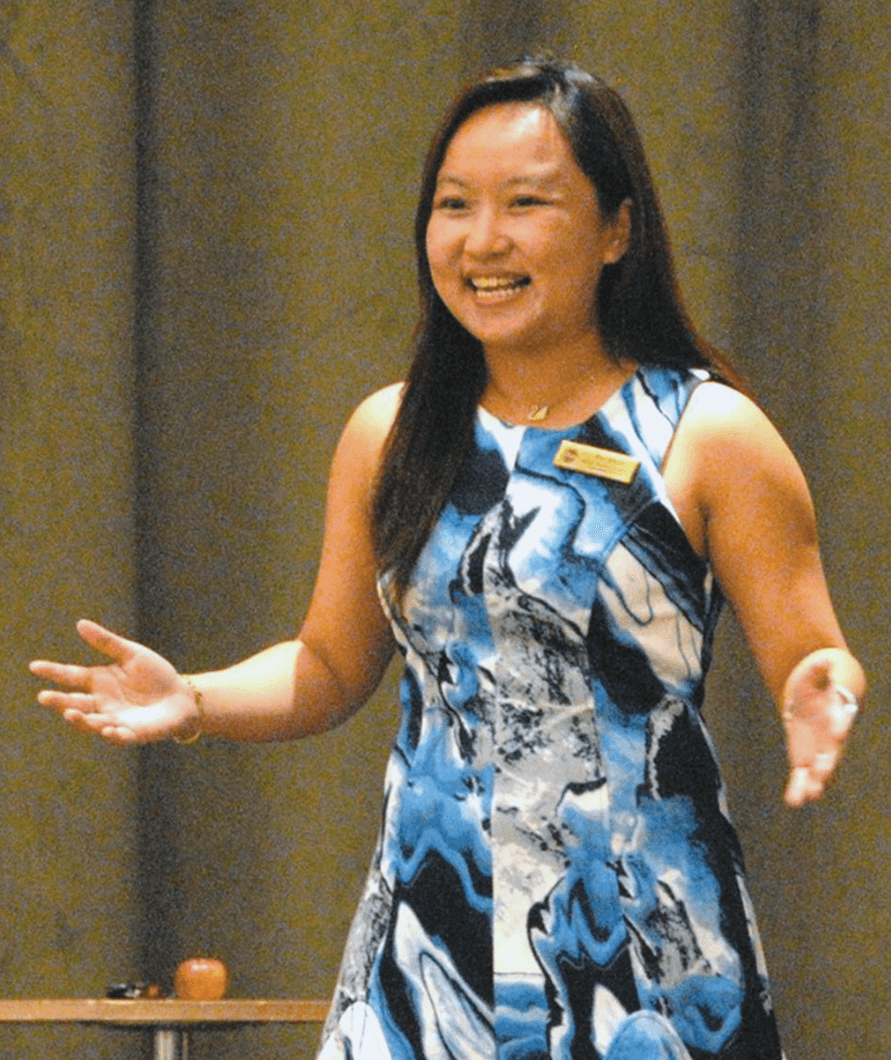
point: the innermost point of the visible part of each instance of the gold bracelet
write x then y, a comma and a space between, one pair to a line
199, 706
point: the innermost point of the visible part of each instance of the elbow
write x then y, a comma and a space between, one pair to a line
325, 694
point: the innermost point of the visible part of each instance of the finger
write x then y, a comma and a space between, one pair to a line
101, 725
119, 735
103, 640
88, 721
62, 701
796, 789
64, 674
809, 782
804, 786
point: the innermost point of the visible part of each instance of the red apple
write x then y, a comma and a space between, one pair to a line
201, 979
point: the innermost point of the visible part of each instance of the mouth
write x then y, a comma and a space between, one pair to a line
497, 288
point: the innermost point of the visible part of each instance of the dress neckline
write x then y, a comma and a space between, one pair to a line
489, 418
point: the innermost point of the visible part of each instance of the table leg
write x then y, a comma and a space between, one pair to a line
171, 1044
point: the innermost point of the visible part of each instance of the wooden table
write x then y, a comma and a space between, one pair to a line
169, 1020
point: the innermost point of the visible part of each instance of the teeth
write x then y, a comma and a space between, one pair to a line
497, 283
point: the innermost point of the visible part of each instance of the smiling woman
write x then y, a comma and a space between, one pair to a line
544, 520
637, 316
516, 245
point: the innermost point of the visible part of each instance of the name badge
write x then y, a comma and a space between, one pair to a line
601, 463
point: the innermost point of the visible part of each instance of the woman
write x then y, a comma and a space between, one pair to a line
562, 493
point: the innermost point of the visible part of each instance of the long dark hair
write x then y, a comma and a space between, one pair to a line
640, 313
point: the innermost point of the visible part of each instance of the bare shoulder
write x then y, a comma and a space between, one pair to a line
727, 434
368, 427
719, 410
729, 466
379, 409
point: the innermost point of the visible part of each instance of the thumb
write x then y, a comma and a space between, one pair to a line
103, 640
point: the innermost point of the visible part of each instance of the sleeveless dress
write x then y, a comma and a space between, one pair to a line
557, 877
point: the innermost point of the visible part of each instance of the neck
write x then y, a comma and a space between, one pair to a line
554, 388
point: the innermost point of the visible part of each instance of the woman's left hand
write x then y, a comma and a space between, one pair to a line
818, 713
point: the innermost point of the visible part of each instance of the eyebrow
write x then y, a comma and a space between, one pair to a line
544, 181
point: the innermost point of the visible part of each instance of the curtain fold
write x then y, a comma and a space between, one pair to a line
67, 861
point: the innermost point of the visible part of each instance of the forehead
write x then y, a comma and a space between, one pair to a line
509, 140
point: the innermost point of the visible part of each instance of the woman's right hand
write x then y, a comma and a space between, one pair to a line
135, 698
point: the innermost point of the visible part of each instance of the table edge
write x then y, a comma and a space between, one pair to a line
160, 1012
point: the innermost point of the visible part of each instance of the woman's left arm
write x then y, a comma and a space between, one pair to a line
745, 503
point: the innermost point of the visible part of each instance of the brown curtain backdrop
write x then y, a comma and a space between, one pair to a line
205, 262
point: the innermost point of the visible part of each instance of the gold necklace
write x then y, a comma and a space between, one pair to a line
539, 413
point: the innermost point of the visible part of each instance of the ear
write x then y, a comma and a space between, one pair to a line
619, 239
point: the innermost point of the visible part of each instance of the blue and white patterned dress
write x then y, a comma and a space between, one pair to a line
557, 877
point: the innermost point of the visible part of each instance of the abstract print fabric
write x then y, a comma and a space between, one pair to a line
557, 877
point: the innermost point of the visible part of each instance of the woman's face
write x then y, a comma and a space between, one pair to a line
515, 241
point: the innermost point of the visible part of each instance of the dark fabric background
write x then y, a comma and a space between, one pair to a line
205, 262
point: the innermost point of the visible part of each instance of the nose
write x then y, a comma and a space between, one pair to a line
485, 234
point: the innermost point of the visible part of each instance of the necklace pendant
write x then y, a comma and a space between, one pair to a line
537, 413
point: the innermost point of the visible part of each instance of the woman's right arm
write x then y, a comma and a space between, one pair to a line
291, 689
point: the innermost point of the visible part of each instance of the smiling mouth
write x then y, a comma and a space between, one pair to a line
497, 288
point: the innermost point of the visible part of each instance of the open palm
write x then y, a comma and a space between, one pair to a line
135, 698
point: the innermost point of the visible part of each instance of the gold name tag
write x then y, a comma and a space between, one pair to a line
603, 463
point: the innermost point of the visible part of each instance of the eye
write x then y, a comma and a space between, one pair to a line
450, 203
525, 201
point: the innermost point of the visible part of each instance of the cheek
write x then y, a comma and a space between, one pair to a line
436, 249
439, 263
